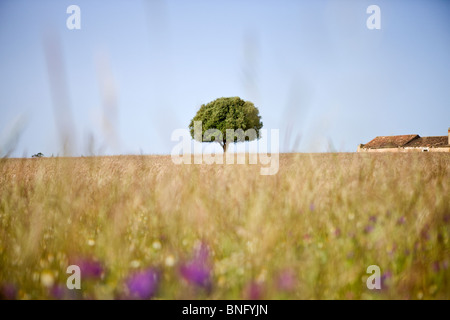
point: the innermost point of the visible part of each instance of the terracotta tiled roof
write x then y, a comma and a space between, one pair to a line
390, 141
428, 142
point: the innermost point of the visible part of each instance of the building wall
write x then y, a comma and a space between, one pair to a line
443, 149
381, 150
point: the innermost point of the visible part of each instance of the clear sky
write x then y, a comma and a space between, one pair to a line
137, 70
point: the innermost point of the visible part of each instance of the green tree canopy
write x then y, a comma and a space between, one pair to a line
227, 113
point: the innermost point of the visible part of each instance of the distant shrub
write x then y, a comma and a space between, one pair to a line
37, 155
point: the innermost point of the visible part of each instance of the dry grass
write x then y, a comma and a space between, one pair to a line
308, 232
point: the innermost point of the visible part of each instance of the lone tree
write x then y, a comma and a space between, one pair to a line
227, 113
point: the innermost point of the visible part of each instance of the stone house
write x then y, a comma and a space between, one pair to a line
407, 143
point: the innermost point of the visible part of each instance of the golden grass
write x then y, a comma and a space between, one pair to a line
322, 219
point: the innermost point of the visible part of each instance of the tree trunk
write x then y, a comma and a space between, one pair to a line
225, 146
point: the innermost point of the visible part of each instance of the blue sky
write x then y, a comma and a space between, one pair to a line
137, 70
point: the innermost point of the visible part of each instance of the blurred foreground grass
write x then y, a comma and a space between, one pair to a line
142, 227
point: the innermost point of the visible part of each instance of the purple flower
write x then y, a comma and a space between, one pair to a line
436, 266
373, 219
312, 207
446, 218
286, 280
337, 232
60, 292
196, 274
253, 291
198, 270
425, 235
89, 268
143, 284
368, 229
8, 291
384, 278
201, 253
401, 220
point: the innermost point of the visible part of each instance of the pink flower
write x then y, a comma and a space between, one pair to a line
253, 291
286, 280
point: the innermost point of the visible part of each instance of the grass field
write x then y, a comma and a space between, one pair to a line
143, 227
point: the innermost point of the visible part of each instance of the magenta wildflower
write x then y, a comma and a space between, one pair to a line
143, 284
385, 277
446, 218
61, 292
90, 268
8, 291
401, 220
253, 291
286, 280
368, 228
436, 266
337, 232
197, 271
425, 234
